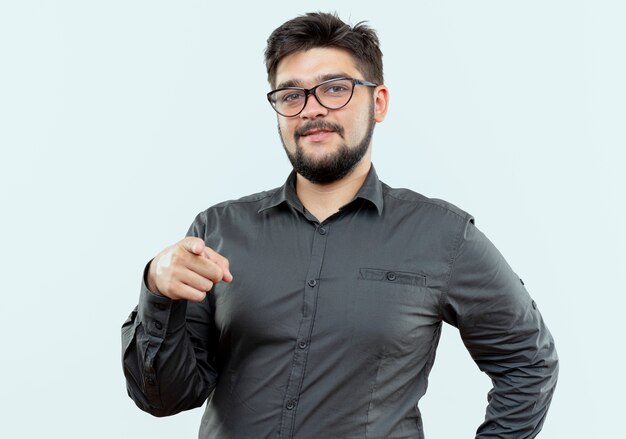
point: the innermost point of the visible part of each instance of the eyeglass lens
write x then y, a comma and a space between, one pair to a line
332, 95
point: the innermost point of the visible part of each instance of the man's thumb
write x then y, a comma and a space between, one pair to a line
193, 245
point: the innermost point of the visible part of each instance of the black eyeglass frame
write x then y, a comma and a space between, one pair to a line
312, 91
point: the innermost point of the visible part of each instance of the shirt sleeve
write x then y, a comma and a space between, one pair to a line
168, 352
504, 333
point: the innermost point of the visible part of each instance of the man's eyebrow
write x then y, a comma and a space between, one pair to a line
320, 78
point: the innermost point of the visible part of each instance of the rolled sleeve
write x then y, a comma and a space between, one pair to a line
504, 333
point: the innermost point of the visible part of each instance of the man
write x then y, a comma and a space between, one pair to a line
328, 324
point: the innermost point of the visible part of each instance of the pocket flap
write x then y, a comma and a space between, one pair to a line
392, 276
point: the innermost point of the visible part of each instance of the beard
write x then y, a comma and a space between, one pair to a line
334, 166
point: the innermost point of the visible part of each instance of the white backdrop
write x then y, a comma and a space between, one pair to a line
120, 120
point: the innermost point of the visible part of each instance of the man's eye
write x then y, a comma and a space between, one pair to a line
336, 89
290, 98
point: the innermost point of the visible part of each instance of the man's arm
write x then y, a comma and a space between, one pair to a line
167, 350
505, 334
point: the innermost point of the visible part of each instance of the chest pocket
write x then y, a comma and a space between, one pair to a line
388, 311
386, 285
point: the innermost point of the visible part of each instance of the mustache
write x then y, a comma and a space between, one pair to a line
318, 125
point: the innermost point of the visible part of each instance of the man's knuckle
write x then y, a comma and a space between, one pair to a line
203, 284
177, 257
172, 274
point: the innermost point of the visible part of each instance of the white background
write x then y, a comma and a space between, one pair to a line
120, 120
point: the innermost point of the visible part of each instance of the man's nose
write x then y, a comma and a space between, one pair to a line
313, 109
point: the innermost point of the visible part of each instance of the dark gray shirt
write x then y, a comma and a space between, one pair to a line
330, 330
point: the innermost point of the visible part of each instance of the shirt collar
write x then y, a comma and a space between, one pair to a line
372, 191
284, 194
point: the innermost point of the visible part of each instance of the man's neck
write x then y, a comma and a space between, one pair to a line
323, 200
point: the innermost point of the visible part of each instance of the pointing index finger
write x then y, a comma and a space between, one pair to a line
220, 261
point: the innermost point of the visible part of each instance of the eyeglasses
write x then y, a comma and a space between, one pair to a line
332, 94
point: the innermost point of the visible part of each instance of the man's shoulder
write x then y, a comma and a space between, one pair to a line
248, 200
241, 209
412, 199
251, 204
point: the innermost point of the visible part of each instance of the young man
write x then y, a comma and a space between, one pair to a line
329, 325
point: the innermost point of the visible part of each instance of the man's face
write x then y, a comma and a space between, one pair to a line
326, 145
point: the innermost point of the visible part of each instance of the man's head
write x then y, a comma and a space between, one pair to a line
326, 127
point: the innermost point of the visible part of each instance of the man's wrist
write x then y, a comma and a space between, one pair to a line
148, 279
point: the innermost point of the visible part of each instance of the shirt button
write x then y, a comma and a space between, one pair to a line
150, 381
161, 306
158, 325
322, 230
534, 305
302, 344
291, 404
391, 276
312, 282
521, 281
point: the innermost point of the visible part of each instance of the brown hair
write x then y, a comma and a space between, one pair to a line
320, 29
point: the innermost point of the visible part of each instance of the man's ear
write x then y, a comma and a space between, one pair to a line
381, 103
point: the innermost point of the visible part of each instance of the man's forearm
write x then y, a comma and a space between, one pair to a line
523, 384
165, 372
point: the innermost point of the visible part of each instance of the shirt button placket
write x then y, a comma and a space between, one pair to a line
311, 290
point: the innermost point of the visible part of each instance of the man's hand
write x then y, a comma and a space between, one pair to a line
187, 270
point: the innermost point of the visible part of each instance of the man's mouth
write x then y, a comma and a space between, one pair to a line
316, 131
317, 135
